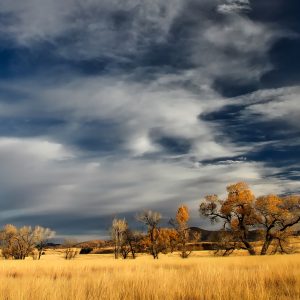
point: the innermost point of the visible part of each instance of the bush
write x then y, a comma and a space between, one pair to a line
86, 250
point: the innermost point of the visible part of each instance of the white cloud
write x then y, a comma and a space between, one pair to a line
139, 108
235, 48
234, 6
81, 30
108, 186
282, 104
40, 149
95, 27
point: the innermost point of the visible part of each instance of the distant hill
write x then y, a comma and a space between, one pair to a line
207, 235
92, 244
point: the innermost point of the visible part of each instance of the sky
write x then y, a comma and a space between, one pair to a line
110, 107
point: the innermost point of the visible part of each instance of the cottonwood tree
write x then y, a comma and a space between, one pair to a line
19, 243
118, 232
151, 219
168, 240
275, 217
236, 211
180, 224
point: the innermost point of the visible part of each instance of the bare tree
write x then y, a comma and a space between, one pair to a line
118, 232
151, 219
17, 243
8, 240
42, 238
131, 243
26, 240
70, 249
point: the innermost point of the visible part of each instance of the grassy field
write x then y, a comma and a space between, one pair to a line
199, 277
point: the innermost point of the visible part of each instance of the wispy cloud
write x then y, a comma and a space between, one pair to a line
234, 6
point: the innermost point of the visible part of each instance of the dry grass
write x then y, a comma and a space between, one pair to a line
199, 277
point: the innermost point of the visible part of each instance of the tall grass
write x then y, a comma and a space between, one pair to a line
101, 277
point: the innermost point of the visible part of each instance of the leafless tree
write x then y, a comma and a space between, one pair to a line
8, 240
42, 238
118, 232
131, 243
70, 249
18, 243
151, 219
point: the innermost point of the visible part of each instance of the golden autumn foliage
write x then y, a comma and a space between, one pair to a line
182, 215
180, 224
242, 213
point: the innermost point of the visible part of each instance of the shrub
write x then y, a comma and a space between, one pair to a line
86, 250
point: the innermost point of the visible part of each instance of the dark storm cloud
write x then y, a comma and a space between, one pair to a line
109, 107
284, 53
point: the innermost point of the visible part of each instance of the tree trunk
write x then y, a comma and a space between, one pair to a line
266, 245
249, 247
132, 250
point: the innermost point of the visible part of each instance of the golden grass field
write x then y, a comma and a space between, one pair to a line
198, 277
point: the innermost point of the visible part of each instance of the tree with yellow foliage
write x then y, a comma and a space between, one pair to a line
151, 219
180, 224
236, 211
275, 217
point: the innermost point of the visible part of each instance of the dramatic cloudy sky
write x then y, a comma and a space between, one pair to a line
108, 107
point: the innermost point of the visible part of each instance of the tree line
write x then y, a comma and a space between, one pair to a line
18, 243
157, 239
272, 218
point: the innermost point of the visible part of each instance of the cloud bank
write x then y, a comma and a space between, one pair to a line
107, 108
